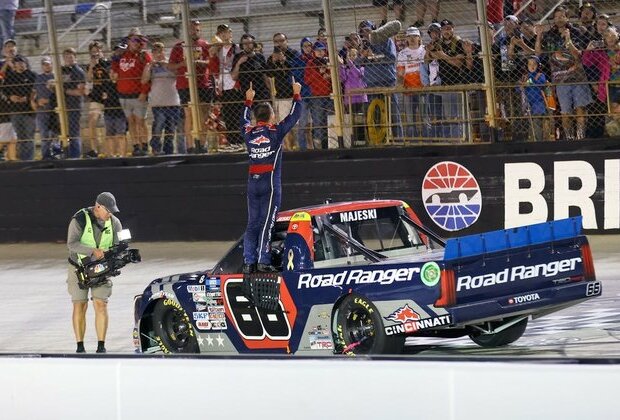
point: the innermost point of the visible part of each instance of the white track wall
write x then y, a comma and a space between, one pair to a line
174, 388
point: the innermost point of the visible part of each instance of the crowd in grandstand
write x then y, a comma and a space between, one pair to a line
568, 69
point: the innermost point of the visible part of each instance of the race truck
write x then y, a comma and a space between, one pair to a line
359, 277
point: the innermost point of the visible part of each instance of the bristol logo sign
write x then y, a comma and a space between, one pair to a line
451, 196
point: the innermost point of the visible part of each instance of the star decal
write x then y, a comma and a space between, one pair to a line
209, 340
220, 340
200, 340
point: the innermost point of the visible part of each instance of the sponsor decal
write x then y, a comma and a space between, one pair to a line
136, 339
410, 327
260, 140
430, 274
199, 297
320, 342
216, 309
357, 215
162, 294
198, 288
403, 314
201, 306
345, 278
529, 198
203, 324
524, 298
520, 272
451, 196
200, 315
218, 325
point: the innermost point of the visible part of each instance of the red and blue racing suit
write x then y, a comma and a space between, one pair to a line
264, 144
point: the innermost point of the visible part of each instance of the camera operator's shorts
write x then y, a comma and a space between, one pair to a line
101, 292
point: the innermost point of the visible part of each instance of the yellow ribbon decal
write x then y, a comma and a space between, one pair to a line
289, 265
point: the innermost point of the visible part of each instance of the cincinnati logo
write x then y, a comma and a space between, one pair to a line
403, 314
451, 196
260, 140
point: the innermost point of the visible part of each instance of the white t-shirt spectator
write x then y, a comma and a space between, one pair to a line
163, 86
410, 61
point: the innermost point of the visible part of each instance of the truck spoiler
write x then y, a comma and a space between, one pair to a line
499, 240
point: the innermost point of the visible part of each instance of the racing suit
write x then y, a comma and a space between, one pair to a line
264, 144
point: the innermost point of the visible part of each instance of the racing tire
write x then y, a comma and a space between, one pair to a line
359, 329
173, 330
502, 338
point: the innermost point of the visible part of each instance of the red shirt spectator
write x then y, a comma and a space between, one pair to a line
200, 49
129, 68
317, 75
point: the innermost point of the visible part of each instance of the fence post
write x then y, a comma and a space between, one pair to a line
61, 108
191, 75
334, 72
489, 79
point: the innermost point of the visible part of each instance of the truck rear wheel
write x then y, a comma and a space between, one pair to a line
501, 338
359, 329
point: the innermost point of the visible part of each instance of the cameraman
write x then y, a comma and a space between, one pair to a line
92, 231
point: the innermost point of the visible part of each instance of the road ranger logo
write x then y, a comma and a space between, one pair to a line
524, 299
307, 280
520, 272
357, 215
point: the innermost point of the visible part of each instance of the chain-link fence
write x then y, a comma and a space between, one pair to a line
375, 72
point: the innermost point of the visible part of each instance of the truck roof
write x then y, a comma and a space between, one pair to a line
327, 208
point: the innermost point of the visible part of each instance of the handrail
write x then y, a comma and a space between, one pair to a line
107, 23
105, 5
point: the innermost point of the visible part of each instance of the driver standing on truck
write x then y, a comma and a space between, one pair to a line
92, 231
264, 144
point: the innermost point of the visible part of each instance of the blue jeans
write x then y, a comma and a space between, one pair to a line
24, 128
165, 121
452, 108
414, 112
48, 136
318, 108
303, 122
7, 25
434, 113
75, 141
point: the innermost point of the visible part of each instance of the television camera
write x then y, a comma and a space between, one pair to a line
92, 273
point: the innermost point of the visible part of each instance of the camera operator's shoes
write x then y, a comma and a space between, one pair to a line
266, 268
80, 347
100, 348
248, 268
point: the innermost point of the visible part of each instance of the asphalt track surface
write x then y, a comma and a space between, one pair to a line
35, 311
